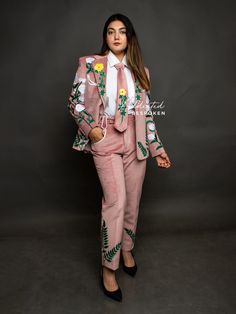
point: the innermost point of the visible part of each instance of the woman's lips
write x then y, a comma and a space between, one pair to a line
116, 44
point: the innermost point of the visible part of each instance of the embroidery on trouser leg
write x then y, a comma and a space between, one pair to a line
108, 254
131, 234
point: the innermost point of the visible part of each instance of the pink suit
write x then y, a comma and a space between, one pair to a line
119, 157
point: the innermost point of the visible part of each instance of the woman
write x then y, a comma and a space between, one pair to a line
110, 103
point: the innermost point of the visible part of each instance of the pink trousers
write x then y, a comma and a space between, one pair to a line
121, 176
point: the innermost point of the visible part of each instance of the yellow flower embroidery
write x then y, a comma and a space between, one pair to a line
98, 67
122, 92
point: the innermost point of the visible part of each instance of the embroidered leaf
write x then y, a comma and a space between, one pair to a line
101, 83
146, 137
130, 233
74, 98
86, 116
111, 253
89, 67
142, 148
158, 147
104, 234
80, 140
122, 107
137, 90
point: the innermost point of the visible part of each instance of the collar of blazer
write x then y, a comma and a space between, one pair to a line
100, 71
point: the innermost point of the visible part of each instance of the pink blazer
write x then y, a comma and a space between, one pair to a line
92, 70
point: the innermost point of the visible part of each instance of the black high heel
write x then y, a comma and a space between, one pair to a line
115, 295
130, 270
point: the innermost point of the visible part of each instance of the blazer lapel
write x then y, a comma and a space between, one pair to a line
100, 72
140, 121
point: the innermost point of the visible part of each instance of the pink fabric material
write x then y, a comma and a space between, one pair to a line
121, 116
147, 138
121, 176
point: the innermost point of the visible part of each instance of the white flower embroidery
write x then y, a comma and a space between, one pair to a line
151, 126
79, 107
82, 87
89, 60
151, 136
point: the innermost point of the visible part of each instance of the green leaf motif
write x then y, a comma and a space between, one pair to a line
146, 137
108, 254
74, 97
80, 139
101, 83
137, 90
104, 234
122, 107
86, 116
130, 233
142, 148
111, 253
89, 67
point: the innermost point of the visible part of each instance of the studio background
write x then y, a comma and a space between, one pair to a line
51, 195
189, 47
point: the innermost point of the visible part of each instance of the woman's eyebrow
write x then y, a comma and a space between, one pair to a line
118, 28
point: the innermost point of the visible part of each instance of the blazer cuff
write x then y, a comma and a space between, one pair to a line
85, 121
156, 152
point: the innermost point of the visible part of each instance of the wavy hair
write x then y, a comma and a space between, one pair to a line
133, 50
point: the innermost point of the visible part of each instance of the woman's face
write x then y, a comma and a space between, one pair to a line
116, 37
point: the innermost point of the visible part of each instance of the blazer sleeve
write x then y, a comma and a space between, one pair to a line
77, 102
154, 142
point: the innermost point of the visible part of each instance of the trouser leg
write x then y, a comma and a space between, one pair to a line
121, 176
134, 171
111, 175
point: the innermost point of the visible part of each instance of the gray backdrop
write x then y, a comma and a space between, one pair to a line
189, 47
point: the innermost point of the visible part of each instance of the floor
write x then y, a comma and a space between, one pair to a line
178, 273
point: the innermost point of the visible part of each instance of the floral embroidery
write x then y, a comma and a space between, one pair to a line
99, 68
75, 100
79, 107
89, 60
74, 96
80, 140
122, 105
122, 92
153, 137
108, 254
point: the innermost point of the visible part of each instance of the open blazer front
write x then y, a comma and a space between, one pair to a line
92, 72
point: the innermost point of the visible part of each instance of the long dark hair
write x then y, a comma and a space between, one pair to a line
133, 50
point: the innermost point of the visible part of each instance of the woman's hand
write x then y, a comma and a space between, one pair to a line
96, 134
163, 160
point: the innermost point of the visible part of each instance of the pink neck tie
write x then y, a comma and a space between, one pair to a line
121, 115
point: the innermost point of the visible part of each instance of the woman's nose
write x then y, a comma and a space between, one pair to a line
116, 35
